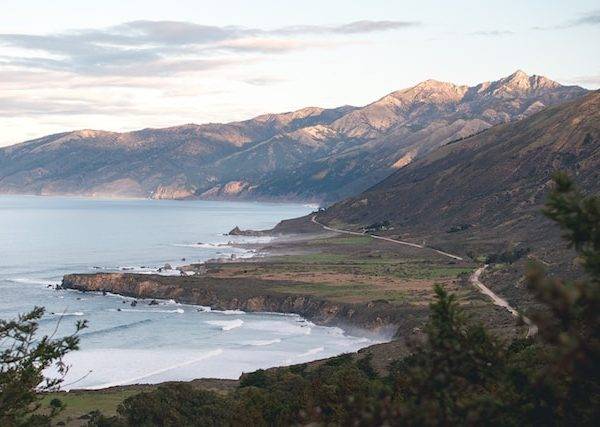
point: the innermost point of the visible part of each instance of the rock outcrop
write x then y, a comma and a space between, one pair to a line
253, 295
237, 231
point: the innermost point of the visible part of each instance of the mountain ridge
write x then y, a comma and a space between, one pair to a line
311, 154
491, 180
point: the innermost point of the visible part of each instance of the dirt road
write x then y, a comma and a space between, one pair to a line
474, 279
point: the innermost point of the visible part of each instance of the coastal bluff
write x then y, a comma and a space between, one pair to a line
254, 295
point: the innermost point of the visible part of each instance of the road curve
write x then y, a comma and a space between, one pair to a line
474, 279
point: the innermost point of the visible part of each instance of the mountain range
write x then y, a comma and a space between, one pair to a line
313, 154
491, 184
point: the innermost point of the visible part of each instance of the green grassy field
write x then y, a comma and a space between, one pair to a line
373, 266
345, 292
79, 403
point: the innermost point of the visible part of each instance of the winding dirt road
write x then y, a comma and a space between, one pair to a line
387, 239
474, 279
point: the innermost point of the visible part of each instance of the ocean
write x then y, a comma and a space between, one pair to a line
43, 238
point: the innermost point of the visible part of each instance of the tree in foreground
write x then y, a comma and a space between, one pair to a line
23, 360
570, 325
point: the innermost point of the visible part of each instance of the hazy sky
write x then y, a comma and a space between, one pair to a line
124, 65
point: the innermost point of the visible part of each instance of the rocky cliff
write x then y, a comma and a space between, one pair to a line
254, 295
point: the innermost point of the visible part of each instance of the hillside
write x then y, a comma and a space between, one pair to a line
310, 154
481, 197
498, 178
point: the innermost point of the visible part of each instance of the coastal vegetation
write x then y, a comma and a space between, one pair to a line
24, 357
458, 372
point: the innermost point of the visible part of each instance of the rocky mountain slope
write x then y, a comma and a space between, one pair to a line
492, 183
310, 154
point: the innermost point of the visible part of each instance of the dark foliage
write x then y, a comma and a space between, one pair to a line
23, 359
508, 257
377, 226
457, 228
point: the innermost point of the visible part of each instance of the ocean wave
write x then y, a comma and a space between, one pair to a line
226, 325
107, 331
311, 352
135, 380
250, 239
110, 294
280, 327
277, 313
306, 354
149, 270
133, 310
173, 272
206, 309
334, 330
203, 245
263, 342
30, 281
228, 311
74, 313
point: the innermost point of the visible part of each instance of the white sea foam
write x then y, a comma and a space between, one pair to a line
202, 245
250, 239
136, 310
226, 325
228, 311
75, 313
110, 294
139, 379
282, 327
262, 343
306, 355
147, 270
311, 352
117, 328
31, 281
334, 330
149, 344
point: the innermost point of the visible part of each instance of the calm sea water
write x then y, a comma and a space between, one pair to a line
43, 238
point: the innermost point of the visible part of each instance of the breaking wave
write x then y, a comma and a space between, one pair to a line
226, 325
133, 310
74, 313
115, 328
135, 380
263, 342
29, 281
228, 311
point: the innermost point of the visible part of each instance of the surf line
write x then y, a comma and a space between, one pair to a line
209, 354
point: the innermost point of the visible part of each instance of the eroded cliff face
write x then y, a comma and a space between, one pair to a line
254, 295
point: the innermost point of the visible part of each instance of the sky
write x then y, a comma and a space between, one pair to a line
126, 65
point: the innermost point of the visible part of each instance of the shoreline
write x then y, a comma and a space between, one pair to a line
362, 320
366, 337
386, 321
274, 201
